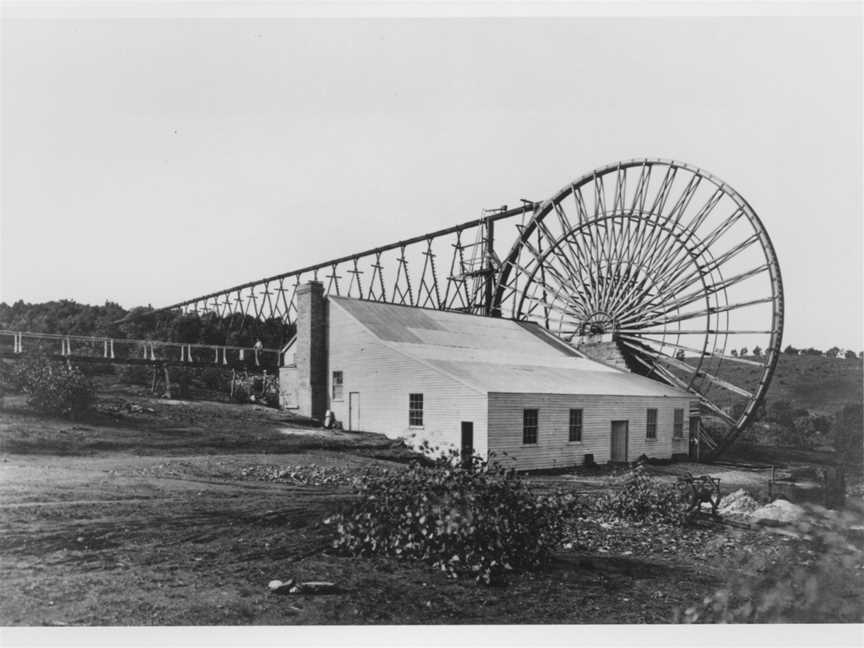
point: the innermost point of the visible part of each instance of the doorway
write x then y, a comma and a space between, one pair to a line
467, 442
695, 421
620, 434
353, 411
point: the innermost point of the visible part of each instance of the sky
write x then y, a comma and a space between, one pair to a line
149, 160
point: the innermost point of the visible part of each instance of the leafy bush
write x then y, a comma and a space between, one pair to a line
213, 378
480, 520
135, 374
817, 578
848, 433
643, 498
55, 388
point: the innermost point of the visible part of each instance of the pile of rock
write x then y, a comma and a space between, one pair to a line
737, 503
777, 513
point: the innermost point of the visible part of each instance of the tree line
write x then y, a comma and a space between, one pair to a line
70, 317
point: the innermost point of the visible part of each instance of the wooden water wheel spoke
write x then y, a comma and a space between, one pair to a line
668, 261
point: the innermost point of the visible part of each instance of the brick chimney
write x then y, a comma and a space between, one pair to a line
311, 350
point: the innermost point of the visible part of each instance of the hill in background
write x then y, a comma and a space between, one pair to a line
821, 385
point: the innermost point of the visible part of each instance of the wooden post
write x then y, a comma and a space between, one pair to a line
155, 380
167, 381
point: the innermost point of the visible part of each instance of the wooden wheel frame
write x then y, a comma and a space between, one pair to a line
672, 265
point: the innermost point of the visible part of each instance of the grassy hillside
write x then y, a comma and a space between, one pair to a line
818, 384
821, 385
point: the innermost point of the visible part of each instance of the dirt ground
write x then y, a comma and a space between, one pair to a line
165, 513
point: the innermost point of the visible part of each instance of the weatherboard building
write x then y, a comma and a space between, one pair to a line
491, 385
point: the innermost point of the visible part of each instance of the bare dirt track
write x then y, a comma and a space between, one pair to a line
168, 517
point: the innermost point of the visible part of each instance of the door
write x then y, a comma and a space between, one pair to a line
694, 437
620, 432
467, 442
354, 411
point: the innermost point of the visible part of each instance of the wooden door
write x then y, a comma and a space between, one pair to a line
467, 442
354, 411
694, 437
620, 433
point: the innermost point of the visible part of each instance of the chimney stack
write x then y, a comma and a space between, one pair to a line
311, 350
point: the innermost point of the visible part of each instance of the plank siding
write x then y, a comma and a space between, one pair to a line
384, 377
553, 448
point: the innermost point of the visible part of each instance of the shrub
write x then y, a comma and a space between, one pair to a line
213, 378
847, 433
644, 499
135, 374
479, 520
817, 578
55, 388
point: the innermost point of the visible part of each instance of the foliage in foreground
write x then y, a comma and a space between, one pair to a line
643, 498
816, 577
480, 520
51, 387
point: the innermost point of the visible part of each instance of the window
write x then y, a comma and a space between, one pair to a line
678, 427
651, 424
415, 410
337, 385
575, 425
529, 426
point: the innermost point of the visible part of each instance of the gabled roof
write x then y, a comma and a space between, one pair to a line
492, 354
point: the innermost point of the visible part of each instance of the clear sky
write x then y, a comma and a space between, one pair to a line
151, 160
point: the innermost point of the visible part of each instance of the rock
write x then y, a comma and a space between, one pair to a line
279, 587
314, 587
777, 513
737, 503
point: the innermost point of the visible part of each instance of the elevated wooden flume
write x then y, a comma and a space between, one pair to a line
86, 348
659, 257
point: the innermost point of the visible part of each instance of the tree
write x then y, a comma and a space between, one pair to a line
757, 351
790, 350
850, 355
743, 351
847, 433
811, 351
734, 353
833, 352
781, 412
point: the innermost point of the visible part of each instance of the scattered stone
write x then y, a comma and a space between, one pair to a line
737, 503
280, 587
314, 587
778, 512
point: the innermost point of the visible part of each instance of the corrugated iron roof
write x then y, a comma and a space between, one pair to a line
493, 354
543, 379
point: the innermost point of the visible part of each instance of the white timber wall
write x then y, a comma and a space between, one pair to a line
553, 448
383, 377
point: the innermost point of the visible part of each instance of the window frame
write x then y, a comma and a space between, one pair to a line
575, 426
415, 413
526, 426
678, 426
340, 384
651, 426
